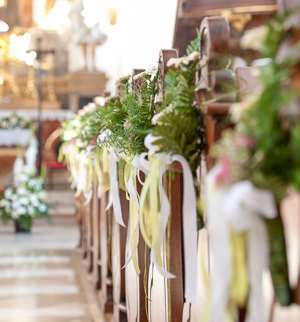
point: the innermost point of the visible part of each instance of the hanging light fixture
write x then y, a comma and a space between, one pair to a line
3, 25
112, 15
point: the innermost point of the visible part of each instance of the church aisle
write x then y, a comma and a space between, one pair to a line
39, 277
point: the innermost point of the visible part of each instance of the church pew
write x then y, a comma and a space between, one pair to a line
166, 296
137, 283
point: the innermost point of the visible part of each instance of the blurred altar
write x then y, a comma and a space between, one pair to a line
37, 84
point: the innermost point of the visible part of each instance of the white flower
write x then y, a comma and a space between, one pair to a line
24, 201
173, 62
42, 195
34, 201
8, 193
21, 211
90, 107
194, 56
254, 38
14, 215
102, 137
22, 191
16, 204
42, 208
22, 178
3, 203
100, 100
185, 60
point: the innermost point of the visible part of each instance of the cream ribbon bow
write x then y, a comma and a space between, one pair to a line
189, 217
114, 194
241, 207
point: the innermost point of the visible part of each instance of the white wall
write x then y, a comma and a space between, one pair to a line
143, 28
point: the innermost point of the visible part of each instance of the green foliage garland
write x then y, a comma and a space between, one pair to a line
265, 143
178, 125
126, 120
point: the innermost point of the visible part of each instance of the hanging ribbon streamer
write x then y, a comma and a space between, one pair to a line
130, 174
153, 217
155, 214
189, 229
240, 207
85, 175
101, 171
114, 196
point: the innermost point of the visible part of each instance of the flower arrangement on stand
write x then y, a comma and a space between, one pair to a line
24, 201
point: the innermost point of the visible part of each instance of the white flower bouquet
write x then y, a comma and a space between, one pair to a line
14, 121
24, 202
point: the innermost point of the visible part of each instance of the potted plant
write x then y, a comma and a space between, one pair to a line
24, 202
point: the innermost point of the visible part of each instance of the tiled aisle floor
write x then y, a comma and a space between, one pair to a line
38, 276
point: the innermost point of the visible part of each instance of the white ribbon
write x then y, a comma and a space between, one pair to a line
189, 216
141, 163
189, 230
31, 153
239, 206
132, 227
83, 183
114, 194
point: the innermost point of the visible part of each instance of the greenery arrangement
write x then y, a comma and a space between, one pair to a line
126, 120
264, 146
79, 129
14, 121
24, 201
178, 124
267, 134
123, 122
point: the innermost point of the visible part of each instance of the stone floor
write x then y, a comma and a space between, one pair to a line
39, 276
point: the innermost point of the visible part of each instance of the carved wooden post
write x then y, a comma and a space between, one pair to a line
166, 301
174, 239
96, 238
80, 222
119, 235
88, 261
136, 298
214, 47
86, 234
119, 239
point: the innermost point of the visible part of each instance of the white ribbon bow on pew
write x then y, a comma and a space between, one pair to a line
114, 194
239, 206
189, 218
